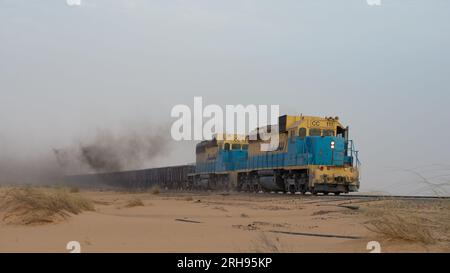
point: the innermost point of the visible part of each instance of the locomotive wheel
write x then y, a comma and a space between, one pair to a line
292, 189
302, 189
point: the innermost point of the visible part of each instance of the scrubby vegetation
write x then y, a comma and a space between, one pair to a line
135, 202
425, 222
155, 189
32, 206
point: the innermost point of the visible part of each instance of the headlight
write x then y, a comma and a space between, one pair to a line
332, 145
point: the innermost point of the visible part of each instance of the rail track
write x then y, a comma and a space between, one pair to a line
316, 197
395, 196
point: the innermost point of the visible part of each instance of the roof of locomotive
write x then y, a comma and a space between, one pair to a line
285, 123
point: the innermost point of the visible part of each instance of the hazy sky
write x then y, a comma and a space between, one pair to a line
66, 72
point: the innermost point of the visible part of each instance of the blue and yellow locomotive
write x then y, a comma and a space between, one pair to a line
314, 155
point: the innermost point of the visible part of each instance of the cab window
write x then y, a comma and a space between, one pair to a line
236, 146
315, 132
226, 147
244, 146
328, 132
302, 132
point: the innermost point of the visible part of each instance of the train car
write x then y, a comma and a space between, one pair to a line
173, 177
314, 155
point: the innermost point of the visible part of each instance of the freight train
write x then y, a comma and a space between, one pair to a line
173, 177
314, 154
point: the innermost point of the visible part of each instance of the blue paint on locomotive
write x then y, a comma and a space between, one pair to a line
303, 151
311, 150
226, 160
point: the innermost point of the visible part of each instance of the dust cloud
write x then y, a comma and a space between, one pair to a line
105, 150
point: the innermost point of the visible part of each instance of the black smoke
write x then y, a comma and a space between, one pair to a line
109, 151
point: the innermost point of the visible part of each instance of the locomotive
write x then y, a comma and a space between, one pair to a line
314, 154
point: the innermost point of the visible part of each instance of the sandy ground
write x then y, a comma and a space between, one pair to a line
221, 223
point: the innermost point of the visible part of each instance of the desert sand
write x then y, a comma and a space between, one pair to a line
209, 222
